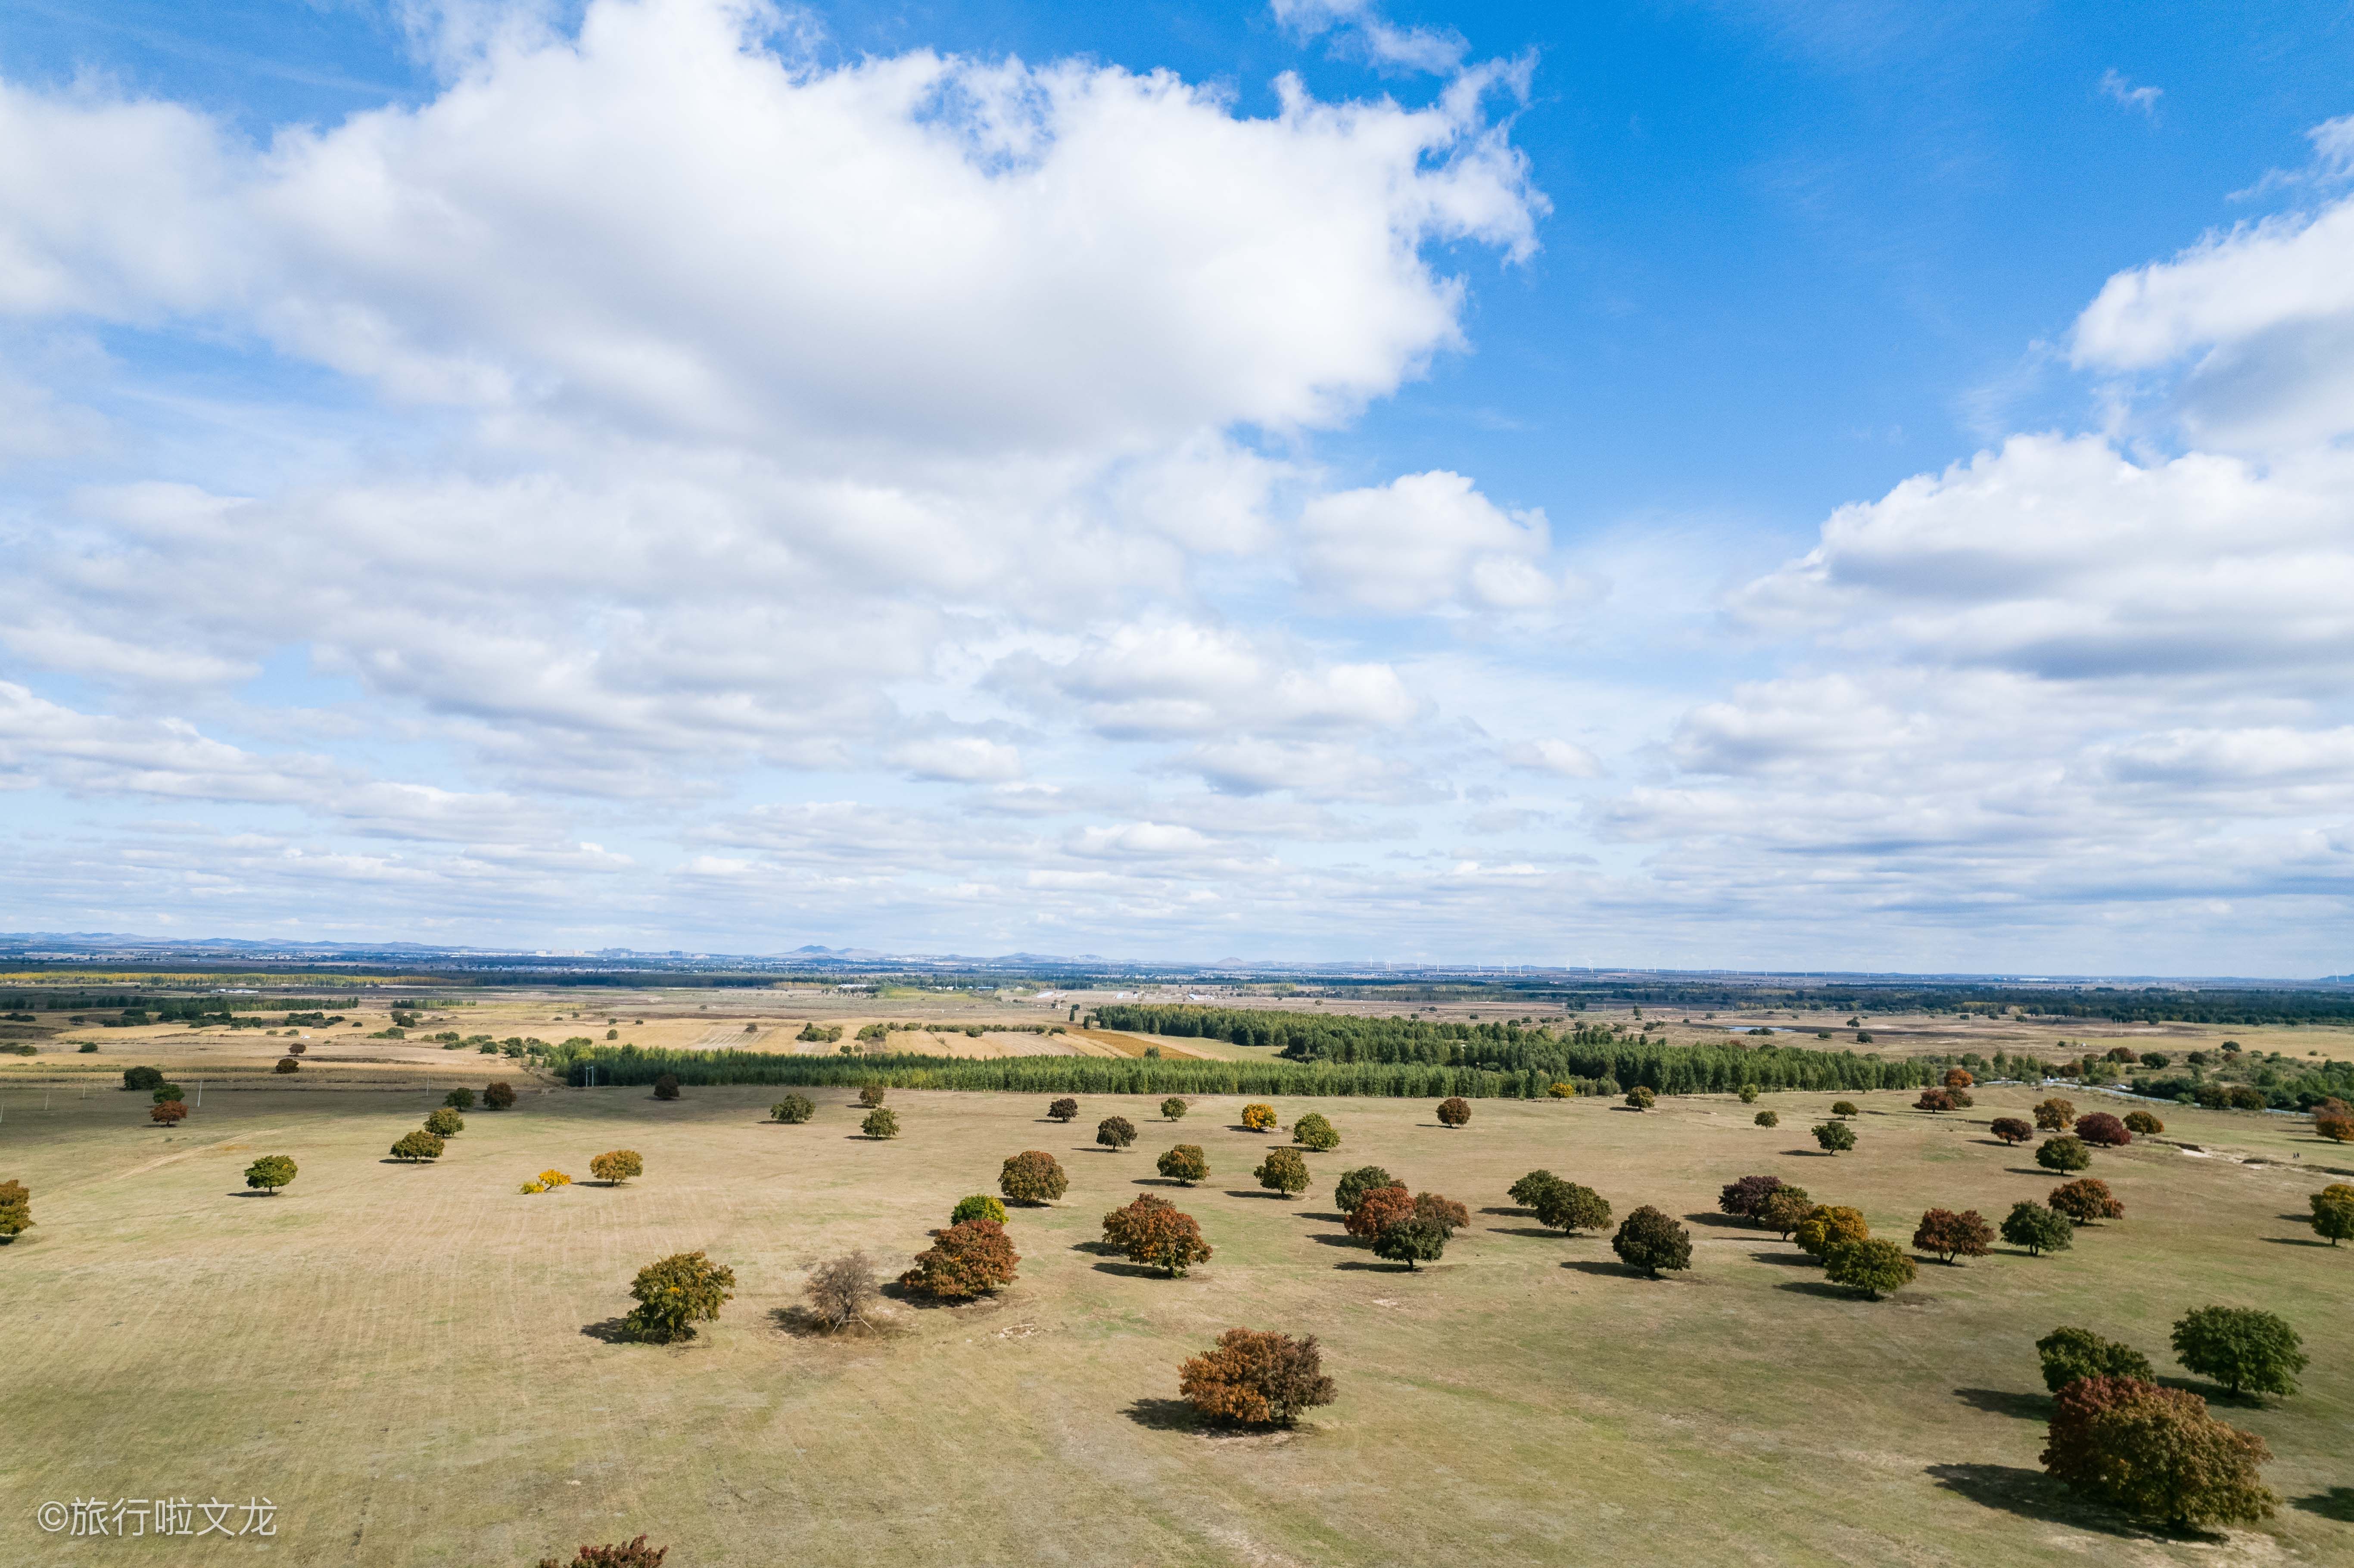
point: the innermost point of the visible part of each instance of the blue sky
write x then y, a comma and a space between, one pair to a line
1836, 486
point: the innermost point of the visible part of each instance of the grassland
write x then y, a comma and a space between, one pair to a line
416, 1364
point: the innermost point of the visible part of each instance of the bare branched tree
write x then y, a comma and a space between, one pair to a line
840, 1291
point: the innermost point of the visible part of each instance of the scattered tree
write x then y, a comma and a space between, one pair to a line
1743, 1199
2244, 1349
1379, 1208
1115, 1132
1283, 1172
1933, 1100
964, 1260
2069, 1354
498, 1098
143, 1077
666, 1086
1313, 1132
16, 1210
631, 1554
2156, 1452
269, 1173
444, 1123
1951, 1236
1782, 1211
871, 1096
1961, 1098
1352, 1187
1650, 1241
1172, 1108
459, 1099
2142, 1122
1835, 1137
1641, 1098
1258, 1118
415, 1146
1827, 1227
1567, 1206
793, 1110
2101, 1128
839, 1292
2062, 1153
1445, 1213
168, 1113
675, 1294
1064, 1110
2336, 1126
286, 1064
1258, 1377
978, 1206
616, 1166
1749, 1094
1453, 1112
2054, 1115
1413, 1241
1120, 1222
1846, 1108
1185, 1164
2036, 1228
549, 1181
1159, 1235
1871, 1267
1033, 1177
2085, 1200
1766, 1118
880, 1124
1958, 1078
2010, 1129
2333, 1213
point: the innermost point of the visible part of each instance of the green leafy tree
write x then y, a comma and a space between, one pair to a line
165, 1093
1641, 1098
1951, 1236
1283, 1172
1443, 1211
2038, 1229
1313, 1132
1827, 1227
498, 1098
880, 1124
1032, 1176
2062, 1153
1173, 1109
16, 1210
1871, 1267
1650, 1241
2247, 1350
1412, 1241
460, 1099
2333, 1216
1115, 1132
2156, 1452
2144, 1124
2054, 1115
871, 1096
676, 1293
1846, 1108
793, 1110
269, 1173
1783, 1211
1835, 1137
2068, 1354
415, 1146
1185, 1164
616, 1166
1352, 1187
1767, 1118
1258, 1377
1567, 1206
142, 1078
1749, 1094
2086, 1199
978, 1206
445, 1123
964, 1261
1453, 1112
1064, 1110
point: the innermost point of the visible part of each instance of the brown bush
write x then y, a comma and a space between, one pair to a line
498, 1096
624, 1554
1445, 1213
1120, 1224
286, 1064
1378, 1210
666, 1086
170, 1113
2101, 1128
2143, 1123
1933, 1100
1153, 1231
1032, 1176
1257, 1376
2054, 1115
1958, 1078
1952, 1235
871, 1096
2156, 1452
966, 1260
2086, 1199
2336, 1129
1454, 1110
2010, 1129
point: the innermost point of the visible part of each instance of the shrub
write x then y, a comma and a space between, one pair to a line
1159, 1235
978, 1206
445, 1123
415, 1146
1650, 1241
630, 1553
1258, 1377
1961, 1098
16, 1210
1561, 1091
2241, 1347
1743, 1199
1283, 1172
1871, 1267
666, 1086
1445, 1213
1958, 1078
2054, 1115
880, 1124
793, 1110
549, 1181
168, 1113
1378, 1209
2101, 1128
2038, 1229
964, 1260
1827, 1227
2333, 1215
1118, 1224
1641, 1098
1352, 1187
1258, 1118
1033, 1177
1173, 1109
2010, 1129
2337, 1128
1115, 1132
142, 1078
1413, 1241
1313, 1132
1782, 1211
162, 1092
1845, 1107
2085, 1200
1566, 1206
2062, 1153
2142, 1122
269, 1173
498, 1098
1453, 1112
286, 1064
1766, 1118
1951, 1236
1749, 1094
871, 1096
2069, 1354
1933, 1100
459, 1099
2156, 1452
840, 1291
676, 1293
1834, 1136
616, 1166
1064, 1110
1185, 1164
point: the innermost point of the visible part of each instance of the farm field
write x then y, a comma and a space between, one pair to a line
414, 1364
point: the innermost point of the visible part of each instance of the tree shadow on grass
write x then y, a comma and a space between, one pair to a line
1786, 1259
1379, 1266
1324, 1216
803, 1324
2031, 1494
1099, 1248
251, 1192
1522, 1213
1239, 1193
1166, 1415
1341, 1240
2003, 1402
2294, 1241
1134, 1270
1720, 1221
1808, 1154
1595, 1265
612, 1331
2337, 1503
1824, 1288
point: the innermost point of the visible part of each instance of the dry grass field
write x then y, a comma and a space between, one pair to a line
416, 1364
